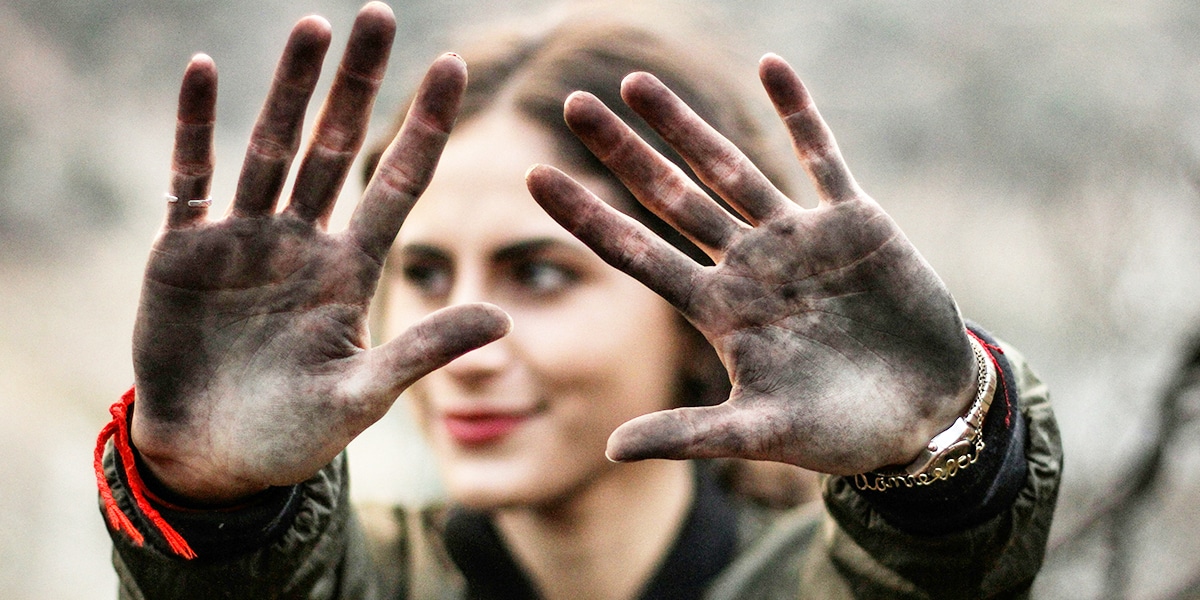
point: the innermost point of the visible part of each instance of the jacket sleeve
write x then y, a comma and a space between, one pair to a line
874, 549
301, 542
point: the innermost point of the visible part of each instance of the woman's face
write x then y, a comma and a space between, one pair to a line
524, 421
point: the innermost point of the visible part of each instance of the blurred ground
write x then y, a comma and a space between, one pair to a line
1043, 155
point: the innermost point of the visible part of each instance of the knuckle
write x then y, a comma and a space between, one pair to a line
272, 149
400, 178
338, 140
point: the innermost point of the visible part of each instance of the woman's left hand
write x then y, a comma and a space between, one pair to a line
845, 350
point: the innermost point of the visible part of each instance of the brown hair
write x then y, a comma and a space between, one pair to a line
533, 73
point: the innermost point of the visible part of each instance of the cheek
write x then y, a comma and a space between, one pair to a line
616, 344
417, 397
400, 309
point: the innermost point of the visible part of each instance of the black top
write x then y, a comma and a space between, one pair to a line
705, 546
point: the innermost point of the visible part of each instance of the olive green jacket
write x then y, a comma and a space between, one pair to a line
842, 549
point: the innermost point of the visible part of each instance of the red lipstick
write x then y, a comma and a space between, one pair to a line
480, 428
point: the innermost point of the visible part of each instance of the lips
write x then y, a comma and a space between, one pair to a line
478, 429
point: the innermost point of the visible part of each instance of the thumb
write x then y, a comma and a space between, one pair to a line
434, 341
681, 433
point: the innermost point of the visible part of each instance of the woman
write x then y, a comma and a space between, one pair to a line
845, 353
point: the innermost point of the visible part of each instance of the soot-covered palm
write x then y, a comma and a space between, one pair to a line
845, 349
250, 349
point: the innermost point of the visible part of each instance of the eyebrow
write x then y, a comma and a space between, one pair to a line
421, 250
505, 253
524, 248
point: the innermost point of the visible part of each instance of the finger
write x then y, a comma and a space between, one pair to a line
681, 433
434, 341
716, 161
192, 160
615, 237
655, 181
811, 137
276, 134
408, 163
342, 123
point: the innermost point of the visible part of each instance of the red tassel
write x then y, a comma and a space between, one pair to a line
112, 512
118, 430
990, 349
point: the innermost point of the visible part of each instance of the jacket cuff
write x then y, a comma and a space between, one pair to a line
976, 494
211, 532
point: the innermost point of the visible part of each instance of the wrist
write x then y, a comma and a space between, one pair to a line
134, 505
973, 380
943, 411
183, 482
953, 448
976, 494
172, 483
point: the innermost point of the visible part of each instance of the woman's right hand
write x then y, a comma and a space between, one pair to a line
251, 352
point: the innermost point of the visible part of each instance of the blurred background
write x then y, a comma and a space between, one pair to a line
1045, 156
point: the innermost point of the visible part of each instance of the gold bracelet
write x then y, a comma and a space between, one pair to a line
950, 451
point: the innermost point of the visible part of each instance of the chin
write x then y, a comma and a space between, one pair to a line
486, 500
506, 483
490, 493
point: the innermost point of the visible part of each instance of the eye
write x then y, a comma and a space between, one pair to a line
543, 277
431, 278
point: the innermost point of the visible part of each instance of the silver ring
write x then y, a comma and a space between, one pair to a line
199, 203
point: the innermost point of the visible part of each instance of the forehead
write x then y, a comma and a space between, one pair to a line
478, 193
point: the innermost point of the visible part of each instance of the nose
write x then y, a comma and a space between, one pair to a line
469, 284
480, 364
483, 363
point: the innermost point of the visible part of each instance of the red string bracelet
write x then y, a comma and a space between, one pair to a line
991, 349
118, 430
